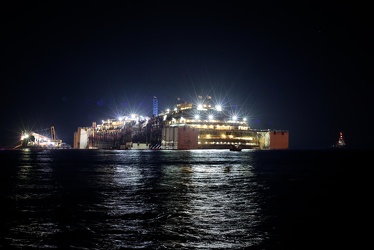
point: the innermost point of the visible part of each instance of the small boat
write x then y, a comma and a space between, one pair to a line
235, 148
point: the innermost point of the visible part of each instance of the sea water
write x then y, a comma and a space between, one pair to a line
182, 199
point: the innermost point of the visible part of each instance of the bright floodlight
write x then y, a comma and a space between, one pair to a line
200, 107
197, 117
25, 136
218, 107
234, 117
244, 119
210, 117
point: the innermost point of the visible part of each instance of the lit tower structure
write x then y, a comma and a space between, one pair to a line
155, 106
340, 142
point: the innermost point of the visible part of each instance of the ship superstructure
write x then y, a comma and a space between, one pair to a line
118, 133
216, 128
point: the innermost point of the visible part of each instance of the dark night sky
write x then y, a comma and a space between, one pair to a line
301, 67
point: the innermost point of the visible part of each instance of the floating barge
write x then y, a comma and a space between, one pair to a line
32, 140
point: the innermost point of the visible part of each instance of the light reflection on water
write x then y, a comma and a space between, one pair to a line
134, 198
92, 199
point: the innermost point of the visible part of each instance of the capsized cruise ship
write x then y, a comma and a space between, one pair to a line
188, 126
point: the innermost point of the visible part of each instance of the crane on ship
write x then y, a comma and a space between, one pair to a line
53, 134
38, 139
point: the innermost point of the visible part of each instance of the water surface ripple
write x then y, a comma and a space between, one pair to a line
144, 199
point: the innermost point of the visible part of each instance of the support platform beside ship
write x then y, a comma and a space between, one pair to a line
36, 141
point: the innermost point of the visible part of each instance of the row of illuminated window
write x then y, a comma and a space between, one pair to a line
224, 136
210, 125
210, 118
227, 142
